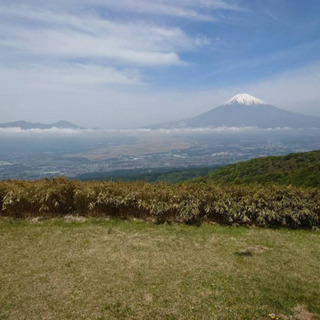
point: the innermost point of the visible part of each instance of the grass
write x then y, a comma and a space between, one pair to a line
99, 269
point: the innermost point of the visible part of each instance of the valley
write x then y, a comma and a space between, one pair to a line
73, 156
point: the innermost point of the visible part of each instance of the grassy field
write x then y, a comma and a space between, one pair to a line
100, 269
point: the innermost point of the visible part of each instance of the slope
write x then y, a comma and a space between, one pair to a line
298, 169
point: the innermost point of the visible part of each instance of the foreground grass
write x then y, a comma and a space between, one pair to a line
100, 269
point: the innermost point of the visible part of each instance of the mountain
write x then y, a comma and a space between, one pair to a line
24, 125
244, 110
299, 169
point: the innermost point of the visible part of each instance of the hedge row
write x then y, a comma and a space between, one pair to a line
190, 202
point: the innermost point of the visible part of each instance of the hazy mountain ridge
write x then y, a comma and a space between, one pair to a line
172, 175
25, 125
244, 110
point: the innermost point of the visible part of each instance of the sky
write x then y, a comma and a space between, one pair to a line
130, 63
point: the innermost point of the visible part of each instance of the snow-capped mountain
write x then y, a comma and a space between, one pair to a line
244, 110
244, 98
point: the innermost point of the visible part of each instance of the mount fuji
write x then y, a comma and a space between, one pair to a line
244, 110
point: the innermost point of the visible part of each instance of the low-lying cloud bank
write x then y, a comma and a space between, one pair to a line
63, 132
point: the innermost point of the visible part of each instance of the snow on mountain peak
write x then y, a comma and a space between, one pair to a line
244, 98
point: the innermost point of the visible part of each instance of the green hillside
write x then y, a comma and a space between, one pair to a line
170, 175
298, 169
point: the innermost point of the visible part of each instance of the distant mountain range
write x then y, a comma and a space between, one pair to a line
244, 110
24, 125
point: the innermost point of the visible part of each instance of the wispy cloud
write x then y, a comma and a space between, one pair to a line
88, 36
202, 10
70, 77
46, 46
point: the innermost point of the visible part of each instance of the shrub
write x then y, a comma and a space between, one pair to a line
192, 203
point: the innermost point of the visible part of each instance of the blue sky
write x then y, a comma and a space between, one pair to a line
128, 63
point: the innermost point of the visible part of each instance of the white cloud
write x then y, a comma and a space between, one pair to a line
63, 77
47, 47
88, 36
61, 132
191, 9
15, 131
296, 90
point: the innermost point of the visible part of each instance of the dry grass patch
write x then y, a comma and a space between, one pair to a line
300, 312
74, 218
98, 269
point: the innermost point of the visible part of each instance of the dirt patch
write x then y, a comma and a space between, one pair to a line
300, 313
36, 219
257, 249
148, 297
244, 253
249, 251
70, 218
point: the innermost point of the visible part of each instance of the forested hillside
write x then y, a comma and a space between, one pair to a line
298, 169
